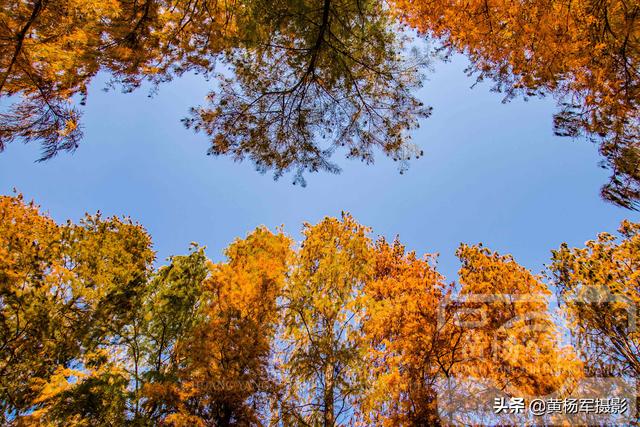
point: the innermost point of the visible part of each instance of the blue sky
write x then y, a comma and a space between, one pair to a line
491, 173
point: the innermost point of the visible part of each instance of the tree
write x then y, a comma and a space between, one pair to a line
221, 374
51, 50
585, 53
411, 341
301, 81
514, 344
312, 79
167, 314
66, 295
307, 79
599, 289
427, 341
48, 54
322, 362
24, 304
339, 330
532, 361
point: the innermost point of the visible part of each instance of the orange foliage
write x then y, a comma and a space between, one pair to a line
585, 53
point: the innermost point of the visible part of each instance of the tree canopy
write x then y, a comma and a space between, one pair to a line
584, 53
307, 78
334, 330
296, 82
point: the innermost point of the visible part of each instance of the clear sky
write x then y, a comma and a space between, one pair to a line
491, 173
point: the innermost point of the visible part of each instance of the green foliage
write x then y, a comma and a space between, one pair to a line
314, 79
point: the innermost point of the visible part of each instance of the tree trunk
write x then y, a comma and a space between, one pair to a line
328, 396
